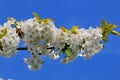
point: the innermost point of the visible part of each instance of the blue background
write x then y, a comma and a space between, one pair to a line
103, 66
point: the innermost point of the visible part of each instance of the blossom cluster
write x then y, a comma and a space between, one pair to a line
85, 43
36, 38
42, 38
9, 42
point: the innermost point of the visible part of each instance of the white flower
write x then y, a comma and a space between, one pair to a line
10, 79
34, 67
65, 60
54, 55
1, 78
34, 63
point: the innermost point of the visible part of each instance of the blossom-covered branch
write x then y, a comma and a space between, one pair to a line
42, 38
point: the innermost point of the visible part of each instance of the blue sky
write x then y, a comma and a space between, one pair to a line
103, 66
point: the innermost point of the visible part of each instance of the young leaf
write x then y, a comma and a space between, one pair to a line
73, 30
106, 29
3, 33
59, 51
67, 51
37, 17
15, 23
45, 21
63, 29
115, 33
9, 19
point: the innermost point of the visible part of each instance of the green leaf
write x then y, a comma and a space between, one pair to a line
37, 17
68, 53
73, 30
45, 21
115, 33
9, 19
59, 51
3, 33
63, 29
104, 24
15, 23
106, 29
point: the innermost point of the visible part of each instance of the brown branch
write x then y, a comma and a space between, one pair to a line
25, 48
22, 48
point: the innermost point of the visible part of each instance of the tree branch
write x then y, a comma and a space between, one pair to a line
22, 48
25, 48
